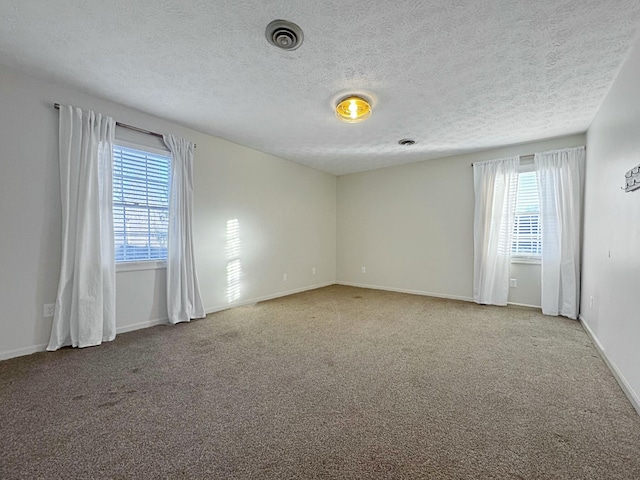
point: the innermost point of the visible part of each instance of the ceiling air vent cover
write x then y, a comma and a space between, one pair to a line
284, 35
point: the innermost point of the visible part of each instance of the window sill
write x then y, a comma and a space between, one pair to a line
133, 266
527, 260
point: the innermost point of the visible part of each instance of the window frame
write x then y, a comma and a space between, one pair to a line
152, 264
526, 166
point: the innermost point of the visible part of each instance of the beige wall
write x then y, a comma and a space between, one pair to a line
611, 261
528, 291
411, 226
286, 214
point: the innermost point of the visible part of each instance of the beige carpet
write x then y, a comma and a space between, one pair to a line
338, 382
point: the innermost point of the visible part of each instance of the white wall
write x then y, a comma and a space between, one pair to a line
411, 226
611, 257
528, 292
286, 214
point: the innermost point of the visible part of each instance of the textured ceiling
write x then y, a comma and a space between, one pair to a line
456, 76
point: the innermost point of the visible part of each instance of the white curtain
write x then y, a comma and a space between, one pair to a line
495, 186
85, 304
560, 182
183, 292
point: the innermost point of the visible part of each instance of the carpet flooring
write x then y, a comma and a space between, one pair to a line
338, 382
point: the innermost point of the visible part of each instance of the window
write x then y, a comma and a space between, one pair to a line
140, 204
527, 229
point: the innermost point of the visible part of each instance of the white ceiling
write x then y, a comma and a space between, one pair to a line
456, 76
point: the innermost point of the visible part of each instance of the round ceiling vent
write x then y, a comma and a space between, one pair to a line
284, 35
406, 142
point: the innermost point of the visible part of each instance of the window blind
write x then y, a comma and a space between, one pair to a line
527, 233
140, 204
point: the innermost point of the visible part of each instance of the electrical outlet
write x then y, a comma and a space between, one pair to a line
48, 310
513, 282
284, 277
364, 269
313, 270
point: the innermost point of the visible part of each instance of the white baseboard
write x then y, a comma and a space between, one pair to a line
138, 326
524, 305
426, 294
251, 301
404, 290
19, 352
624, 385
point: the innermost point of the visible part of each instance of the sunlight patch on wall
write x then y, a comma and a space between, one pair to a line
234, 265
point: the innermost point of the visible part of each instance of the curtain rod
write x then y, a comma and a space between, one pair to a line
522, 157
130, 127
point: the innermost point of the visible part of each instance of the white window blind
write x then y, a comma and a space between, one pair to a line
527, 233
140, 204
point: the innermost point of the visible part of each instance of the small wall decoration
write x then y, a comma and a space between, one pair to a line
632, 179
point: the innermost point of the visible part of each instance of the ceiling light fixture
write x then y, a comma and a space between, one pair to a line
353, 109
406, 142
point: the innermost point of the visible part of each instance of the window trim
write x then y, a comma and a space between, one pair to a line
145, 148
139, 265
529, 260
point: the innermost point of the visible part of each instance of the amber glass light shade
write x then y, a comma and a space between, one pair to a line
353, 109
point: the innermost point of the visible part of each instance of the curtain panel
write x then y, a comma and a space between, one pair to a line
560, 187
183, 291
495, 187
85, 303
